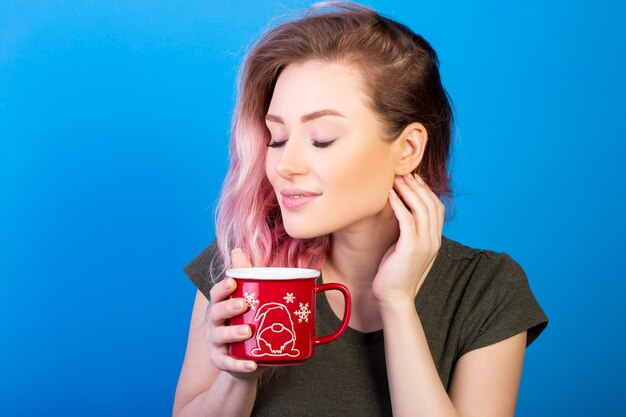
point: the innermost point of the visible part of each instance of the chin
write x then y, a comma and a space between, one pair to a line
303, 232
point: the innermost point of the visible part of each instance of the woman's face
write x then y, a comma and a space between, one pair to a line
326, 141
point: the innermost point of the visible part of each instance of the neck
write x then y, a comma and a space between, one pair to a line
357, 250
354, 258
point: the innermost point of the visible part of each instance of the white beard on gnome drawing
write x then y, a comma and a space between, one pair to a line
276, 335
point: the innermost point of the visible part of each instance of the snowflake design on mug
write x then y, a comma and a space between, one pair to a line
289, 298
303, 313
250, 299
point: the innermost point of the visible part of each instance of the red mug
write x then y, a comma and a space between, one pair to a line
281, 314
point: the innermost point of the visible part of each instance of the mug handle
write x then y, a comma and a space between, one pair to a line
346, 314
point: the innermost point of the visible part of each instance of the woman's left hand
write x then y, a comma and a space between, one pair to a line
406, 263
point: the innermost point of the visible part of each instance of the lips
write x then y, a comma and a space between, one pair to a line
294, 198
297, 192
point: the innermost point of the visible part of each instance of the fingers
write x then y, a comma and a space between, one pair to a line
227, 363
431, 201
230, 334
221, 336
425, 207
222, 290
416, 200
224, 310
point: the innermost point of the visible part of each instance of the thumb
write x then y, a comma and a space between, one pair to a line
239, 259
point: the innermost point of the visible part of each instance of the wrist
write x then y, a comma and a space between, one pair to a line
392, 308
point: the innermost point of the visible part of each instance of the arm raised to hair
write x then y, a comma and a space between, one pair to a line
485, 381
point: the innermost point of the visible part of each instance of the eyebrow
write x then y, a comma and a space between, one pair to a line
306, 117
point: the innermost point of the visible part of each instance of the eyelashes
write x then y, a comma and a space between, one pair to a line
316, 143
276, 144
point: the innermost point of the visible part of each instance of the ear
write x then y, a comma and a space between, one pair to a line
411, 144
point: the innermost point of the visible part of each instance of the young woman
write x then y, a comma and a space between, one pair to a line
339, 162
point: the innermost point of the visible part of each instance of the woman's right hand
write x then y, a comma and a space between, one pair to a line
223, 308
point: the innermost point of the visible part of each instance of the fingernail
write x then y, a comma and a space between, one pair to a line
239, 304
235, 250
250, 366
245, 330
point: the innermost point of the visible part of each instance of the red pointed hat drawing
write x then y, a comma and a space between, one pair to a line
276, 335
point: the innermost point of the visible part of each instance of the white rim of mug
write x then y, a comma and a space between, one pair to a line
272, 273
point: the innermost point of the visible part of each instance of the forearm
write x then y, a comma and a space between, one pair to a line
414, 384
228, 396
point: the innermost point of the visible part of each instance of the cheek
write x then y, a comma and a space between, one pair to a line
364, 184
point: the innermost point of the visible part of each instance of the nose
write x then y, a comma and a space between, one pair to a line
292, 159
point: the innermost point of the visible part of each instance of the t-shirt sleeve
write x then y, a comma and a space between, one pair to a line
198, 269
504, 307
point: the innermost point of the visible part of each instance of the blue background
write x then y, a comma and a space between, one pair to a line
114, 120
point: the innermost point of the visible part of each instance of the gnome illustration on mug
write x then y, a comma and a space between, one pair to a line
276, 335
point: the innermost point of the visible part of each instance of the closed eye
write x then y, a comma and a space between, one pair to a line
276, 143
316, 143
323, 143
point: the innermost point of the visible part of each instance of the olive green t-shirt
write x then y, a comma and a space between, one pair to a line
470, 299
